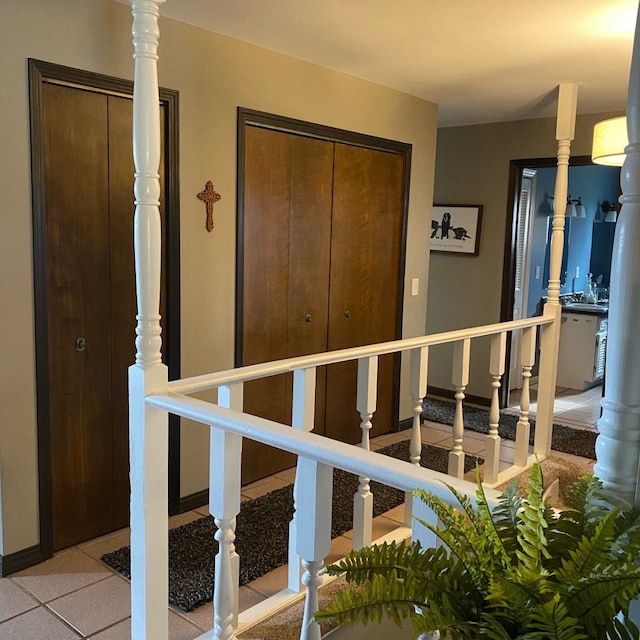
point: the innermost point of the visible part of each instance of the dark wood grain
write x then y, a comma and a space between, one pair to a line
76, 192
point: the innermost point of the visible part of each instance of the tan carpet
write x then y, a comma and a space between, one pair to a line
562, 467
286, 624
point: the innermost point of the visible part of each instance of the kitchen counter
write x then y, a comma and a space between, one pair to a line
600, 309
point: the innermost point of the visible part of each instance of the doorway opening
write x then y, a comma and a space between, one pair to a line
527, 240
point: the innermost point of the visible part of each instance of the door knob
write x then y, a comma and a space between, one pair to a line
347, 314
81, 344
307, 319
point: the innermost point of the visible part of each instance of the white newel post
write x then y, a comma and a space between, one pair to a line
366, 405
148, 430
496, 370
418, 387
460, 379
550, 334
618, 445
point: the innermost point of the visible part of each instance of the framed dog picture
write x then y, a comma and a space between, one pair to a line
455, 228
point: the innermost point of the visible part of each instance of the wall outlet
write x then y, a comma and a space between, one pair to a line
537, 273
577, 272
415, 286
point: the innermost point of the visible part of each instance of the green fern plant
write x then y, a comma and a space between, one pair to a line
520, 570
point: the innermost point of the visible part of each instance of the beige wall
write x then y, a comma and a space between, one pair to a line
214, 75
472, 167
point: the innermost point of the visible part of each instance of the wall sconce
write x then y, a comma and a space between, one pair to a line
609, 141
575, 208
609, 210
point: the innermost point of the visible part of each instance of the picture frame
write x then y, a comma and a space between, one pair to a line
455, 228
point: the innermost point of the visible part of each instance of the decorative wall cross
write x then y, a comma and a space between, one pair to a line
209, 196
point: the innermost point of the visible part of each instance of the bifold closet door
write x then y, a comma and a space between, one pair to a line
79, 293
286, 241
87, 146
366, 236
322, 230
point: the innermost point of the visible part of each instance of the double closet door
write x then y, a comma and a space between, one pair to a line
90, 307
321, 241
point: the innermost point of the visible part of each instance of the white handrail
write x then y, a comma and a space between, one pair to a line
390, 471
252, 372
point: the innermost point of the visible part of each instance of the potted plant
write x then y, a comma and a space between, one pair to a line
521, 570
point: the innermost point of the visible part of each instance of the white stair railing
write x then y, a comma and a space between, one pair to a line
152, 398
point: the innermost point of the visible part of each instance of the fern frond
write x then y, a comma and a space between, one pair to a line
384, 596
506, 517
590, 552
627, 533
585, 498
600, 597
563, 536
489, 525
458, 534
553, 622
623, 629
360, 565
532, 526
449, 625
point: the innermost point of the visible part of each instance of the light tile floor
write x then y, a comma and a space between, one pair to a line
74, 595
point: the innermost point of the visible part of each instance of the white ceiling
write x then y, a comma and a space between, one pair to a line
479, 60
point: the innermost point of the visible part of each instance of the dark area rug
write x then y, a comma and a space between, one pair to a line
262, 531
578, 442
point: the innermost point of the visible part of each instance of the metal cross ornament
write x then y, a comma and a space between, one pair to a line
209, 196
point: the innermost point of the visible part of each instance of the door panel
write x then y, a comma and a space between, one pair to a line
266, 249
309, 256
78, 284
365, 262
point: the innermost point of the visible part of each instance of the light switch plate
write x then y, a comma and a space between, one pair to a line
415, 286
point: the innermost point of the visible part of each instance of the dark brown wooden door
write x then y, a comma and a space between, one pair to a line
365, 262
90, 307
287, 228
321, 256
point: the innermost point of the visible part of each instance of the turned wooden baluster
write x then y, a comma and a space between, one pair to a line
523, 428
366, 405
224, 506
148, 428
231, 397
314, 534
460, 379
418, 388
303, 418
496, 369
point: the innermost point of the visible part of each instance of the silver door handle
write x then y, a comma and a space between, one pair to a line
81, 344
